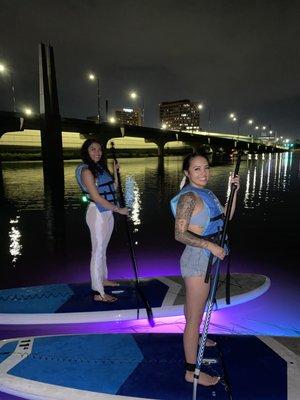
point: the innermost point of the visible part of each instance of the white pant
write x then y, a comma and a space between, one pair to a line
101, 225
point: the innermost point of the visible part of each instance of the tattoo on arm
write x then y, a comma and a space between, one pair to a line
185, 208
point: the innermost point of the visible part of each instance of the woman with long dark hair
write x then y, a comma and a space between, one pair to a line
99, 186
198, 220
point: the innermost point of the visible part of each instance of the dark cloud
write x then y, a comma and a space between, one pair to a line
235, 55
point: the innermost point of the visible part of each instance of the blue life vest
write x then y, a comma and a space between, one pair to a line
104, 183
214, 223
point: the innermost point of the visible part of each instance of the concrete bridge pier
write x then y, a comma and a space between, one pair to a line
51, 146
161, 167
194, 147
160, 180
160, 143
50, 121
197, 147
8, 124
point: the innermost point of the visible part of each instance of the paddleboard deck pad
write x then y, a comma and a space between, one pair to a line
71, 303
134, 366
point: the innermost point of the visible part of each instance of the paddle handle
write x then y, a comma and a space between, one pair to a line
131, 244
214, 285
230, 200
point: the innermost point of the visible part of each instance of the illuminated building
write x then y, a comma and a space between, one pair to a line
128, 116
181, 115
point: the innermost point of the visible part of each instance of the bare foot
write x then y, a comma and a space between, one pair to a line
204, 379
106, 298
110, 283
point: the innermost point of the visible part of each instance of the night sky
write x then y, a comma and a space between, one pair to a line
234, 56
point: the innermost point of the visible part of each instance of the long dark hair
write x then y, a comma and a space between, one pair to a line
95, 168
187, 162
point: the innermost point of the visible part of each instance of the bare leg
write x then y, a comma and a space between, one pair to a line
196, 294
106, 282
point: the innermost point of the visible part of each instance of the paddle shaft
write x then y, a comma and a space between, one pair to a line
131, 245
213, 289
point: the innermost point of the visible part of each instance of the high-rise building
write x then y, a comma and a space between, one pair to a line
129, 116
180, 115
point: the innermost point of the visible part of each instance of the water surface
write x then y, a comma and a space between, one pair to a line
40, 244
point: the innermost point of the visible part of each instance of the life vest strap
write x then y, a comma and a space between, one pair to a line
113, 200
216, 218
106, 193
213, 237
105, 184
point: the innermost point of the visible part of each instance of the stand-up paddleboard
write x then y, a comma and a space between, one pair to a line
142, 366
69, 303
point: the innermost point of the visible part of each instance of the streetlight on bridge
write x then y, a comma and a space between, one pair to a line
93, 77
112, 120
28, 111
201, 107
3, 71
133, 95
250, 122
257, 129
234, 118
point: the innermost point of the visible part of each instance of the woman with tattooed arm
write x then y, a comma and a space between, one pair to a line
199, 218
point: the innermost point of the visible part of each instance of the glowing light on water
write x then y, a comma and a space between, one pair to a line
14, 233
247, 191
250, 192
268, 179
260, 191
286, 178
279, 170
228, 188
133, 199
254, 182
275, 169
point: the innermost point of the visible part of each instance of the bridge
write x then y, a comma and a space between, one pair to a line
14, 122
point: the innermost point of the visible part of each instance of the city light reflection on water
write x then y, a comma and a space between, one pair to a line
278, 171
150, 185
133, 200
24, 181
24, 187
15, 236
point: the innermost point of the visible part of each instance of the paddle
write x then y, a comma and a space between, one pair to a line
131, 245
214, 286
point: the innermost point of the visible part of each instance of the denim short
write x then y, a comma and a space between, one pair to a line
194, 261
